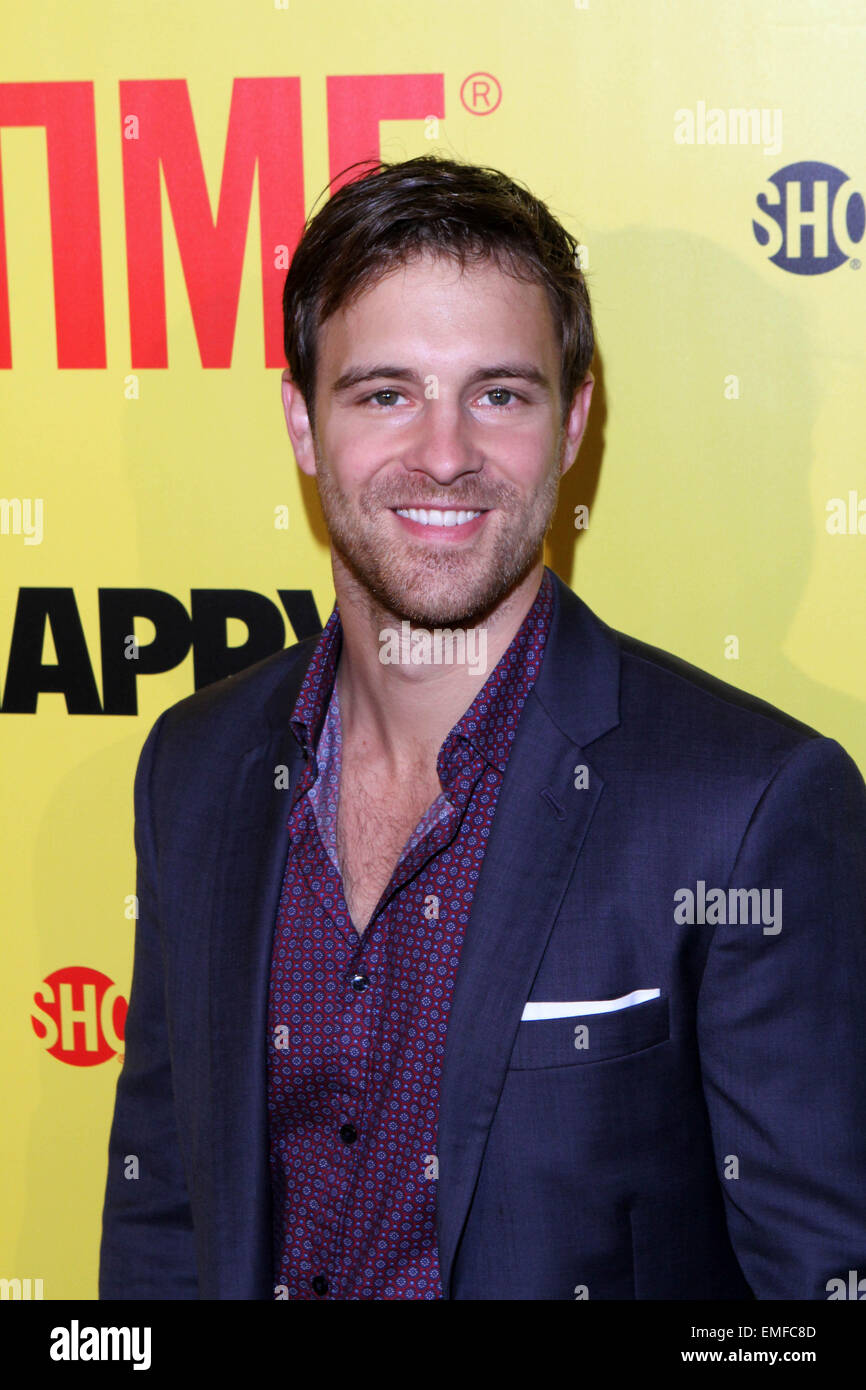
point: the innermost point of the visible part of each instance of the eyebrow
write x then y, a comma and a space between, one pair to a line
511, 371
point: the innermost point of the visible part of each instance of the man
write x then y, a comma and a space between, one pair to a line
537, 973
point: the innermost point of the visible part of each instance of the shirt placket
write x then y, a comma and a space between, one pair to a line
344, 1027
372, 980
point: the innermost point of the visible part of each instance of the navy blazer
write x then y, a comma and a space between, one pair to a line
708, 1142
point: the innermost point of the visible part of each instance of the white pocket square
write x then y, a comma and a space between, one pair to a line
588, 1006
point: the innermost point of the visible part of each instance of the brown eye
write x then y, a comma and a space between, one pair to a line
384, 391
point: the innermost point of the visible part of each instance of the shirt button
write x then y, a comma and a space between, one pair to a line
348, 1134
359, 982
320, 1284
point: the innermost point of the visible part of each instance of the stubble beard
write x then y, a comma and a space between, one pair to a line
432, 585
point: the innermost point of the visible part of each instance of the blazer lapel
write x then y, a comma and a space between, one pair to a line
538, 830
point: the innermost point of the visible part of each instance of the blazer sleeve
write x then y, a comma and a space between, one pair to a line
147, 1248
781, 1023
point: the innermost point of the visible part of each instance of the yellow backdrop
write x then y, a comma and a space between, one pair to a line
711, 160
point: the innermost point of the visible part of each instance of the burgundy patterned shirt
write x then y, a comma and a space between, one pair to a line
357, 1024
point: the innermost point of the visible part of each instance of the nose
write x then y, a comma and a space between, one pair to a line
442, 445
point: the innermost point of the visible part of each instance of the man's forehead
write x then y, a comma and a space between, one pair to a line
428, 267
484, 282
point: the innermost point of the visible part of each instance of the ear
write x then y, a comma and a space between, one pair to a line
576, 422
298, 424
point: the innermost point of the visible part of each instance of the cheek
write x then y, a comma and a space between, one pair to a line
356, 442
352, 474
346, 452
533, 434
526, 455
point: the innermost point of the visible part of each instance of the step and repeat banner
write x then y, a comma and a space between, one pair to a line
158, 163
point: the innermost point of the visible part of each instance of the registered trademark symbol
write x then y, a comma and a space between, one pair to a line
854, 263
480, 93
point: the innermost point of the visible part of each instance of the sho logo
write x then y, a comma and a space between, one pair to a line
79, 1016
810, 218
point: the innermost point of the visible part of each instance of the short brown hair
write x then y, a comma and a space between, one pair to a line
395, 212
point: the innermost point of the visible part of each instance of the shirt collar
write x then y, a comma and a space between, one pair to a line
489, 723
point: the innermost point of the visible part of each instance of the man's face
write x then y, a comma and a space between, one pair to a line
438, 389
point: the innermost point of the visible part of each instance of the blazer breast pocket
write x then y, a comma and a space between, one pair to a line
585, 1038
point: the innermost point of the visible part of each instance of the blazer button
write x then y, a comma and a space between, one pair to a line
348, 1134
359, 982
320, 1284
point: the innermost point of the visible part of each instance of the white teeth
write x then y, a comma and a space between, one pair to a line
432, 516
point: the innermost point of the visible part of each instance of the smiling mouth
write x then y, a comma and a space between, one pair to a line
436, 516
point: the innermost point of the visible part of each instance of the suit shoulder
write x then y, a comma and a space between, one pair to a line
236, 705
701, 713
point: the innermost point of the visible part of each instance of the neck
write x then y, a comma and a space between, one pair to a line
396, 715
